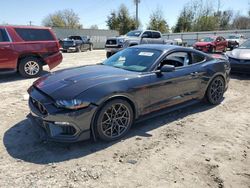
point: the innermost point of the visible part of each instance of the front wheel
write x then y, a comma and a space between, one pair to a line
108, 54
114, 120
30, 67
216, 90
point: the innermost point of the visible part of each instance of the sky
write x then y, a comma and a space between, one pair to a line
95, 12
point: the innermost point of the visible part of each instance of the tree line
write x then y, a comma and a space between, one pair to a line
196, 15
200, 15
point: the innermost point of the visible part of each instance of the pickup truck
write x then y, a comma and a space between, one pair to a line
26, 49
76, 44
133, 38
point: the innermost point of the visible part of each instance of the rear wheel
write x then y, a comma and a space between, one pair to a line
212, 49
216, 90
30, 67
114, 120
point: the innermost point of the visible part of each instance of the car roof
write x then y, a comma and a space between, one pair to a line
24, 26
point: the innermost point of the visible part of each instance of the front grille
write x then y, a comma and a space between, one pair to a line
39, 106
111, 42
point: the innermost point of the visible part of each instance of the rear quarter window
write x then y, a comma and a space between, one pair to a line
34, 34
197, 58
156, 35
3, 36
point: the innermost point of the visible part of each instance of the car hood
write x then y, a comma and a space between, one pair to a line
202, 43
69, 83
240, 53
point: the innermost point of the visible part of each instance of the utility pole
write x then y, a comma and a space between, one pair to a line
137, 17
30, 23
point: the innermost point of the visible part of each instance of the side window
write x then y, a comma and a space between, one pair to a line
197, 58
147, 34
156, 35
3, 36
177, 59
34, 34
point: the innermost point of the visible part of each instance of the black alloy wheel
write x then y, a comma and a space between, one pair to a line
216, 90
114, 120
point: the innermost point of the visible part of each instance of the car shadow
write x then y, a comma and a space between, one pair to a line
240, 76
12, 77
22, 141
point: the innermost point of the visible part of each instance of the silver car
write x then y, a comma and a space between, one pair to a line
239, 58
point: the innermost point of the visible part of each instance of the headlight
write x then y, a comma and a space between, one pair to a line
208, 46
72, 104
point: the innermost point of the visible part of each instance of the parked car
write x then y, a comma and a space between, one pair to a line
235, 40
239, 58
26, 50
76, 44
132, 38
104, 100
211, 44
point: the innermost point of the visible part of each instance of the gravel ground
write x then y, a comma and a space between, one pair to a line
200, 146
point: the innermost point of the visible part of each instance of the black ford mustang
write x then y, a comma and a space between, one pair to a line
104, 100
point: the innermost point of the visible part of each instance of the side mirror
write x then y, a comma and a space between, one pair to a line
167, 68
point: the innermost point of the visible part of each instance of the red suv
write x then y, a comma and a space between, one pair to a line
27, 49
211, 44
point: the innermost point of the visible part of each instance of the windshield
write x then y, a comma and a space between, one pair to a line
207, 39
233, 37
133, 34
245, 44
133, 59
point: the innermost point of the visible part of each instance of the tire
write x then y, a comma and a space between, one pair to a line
212, 49
30, 67
78, 49
215, 90
82, 48
91, 47
108, 54
114, 120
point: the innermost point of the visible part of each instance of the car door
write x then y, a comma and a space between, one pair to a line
156, 38
84, 43
146, 37
178, 86
7, 54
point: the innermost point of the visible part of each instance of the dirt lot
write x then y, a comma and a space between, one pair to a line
200, 146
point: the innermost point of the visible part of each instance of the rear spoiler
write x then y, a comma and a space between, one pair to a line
221, 56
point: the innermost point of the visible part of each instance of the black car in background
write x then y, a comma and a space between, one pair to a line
105, 99
76, 44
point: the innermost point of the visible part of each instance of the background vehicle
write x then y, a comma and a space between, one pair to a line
106, 99
76, 44
234, 41
133, 38
239, 58
28, 49
211, 44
